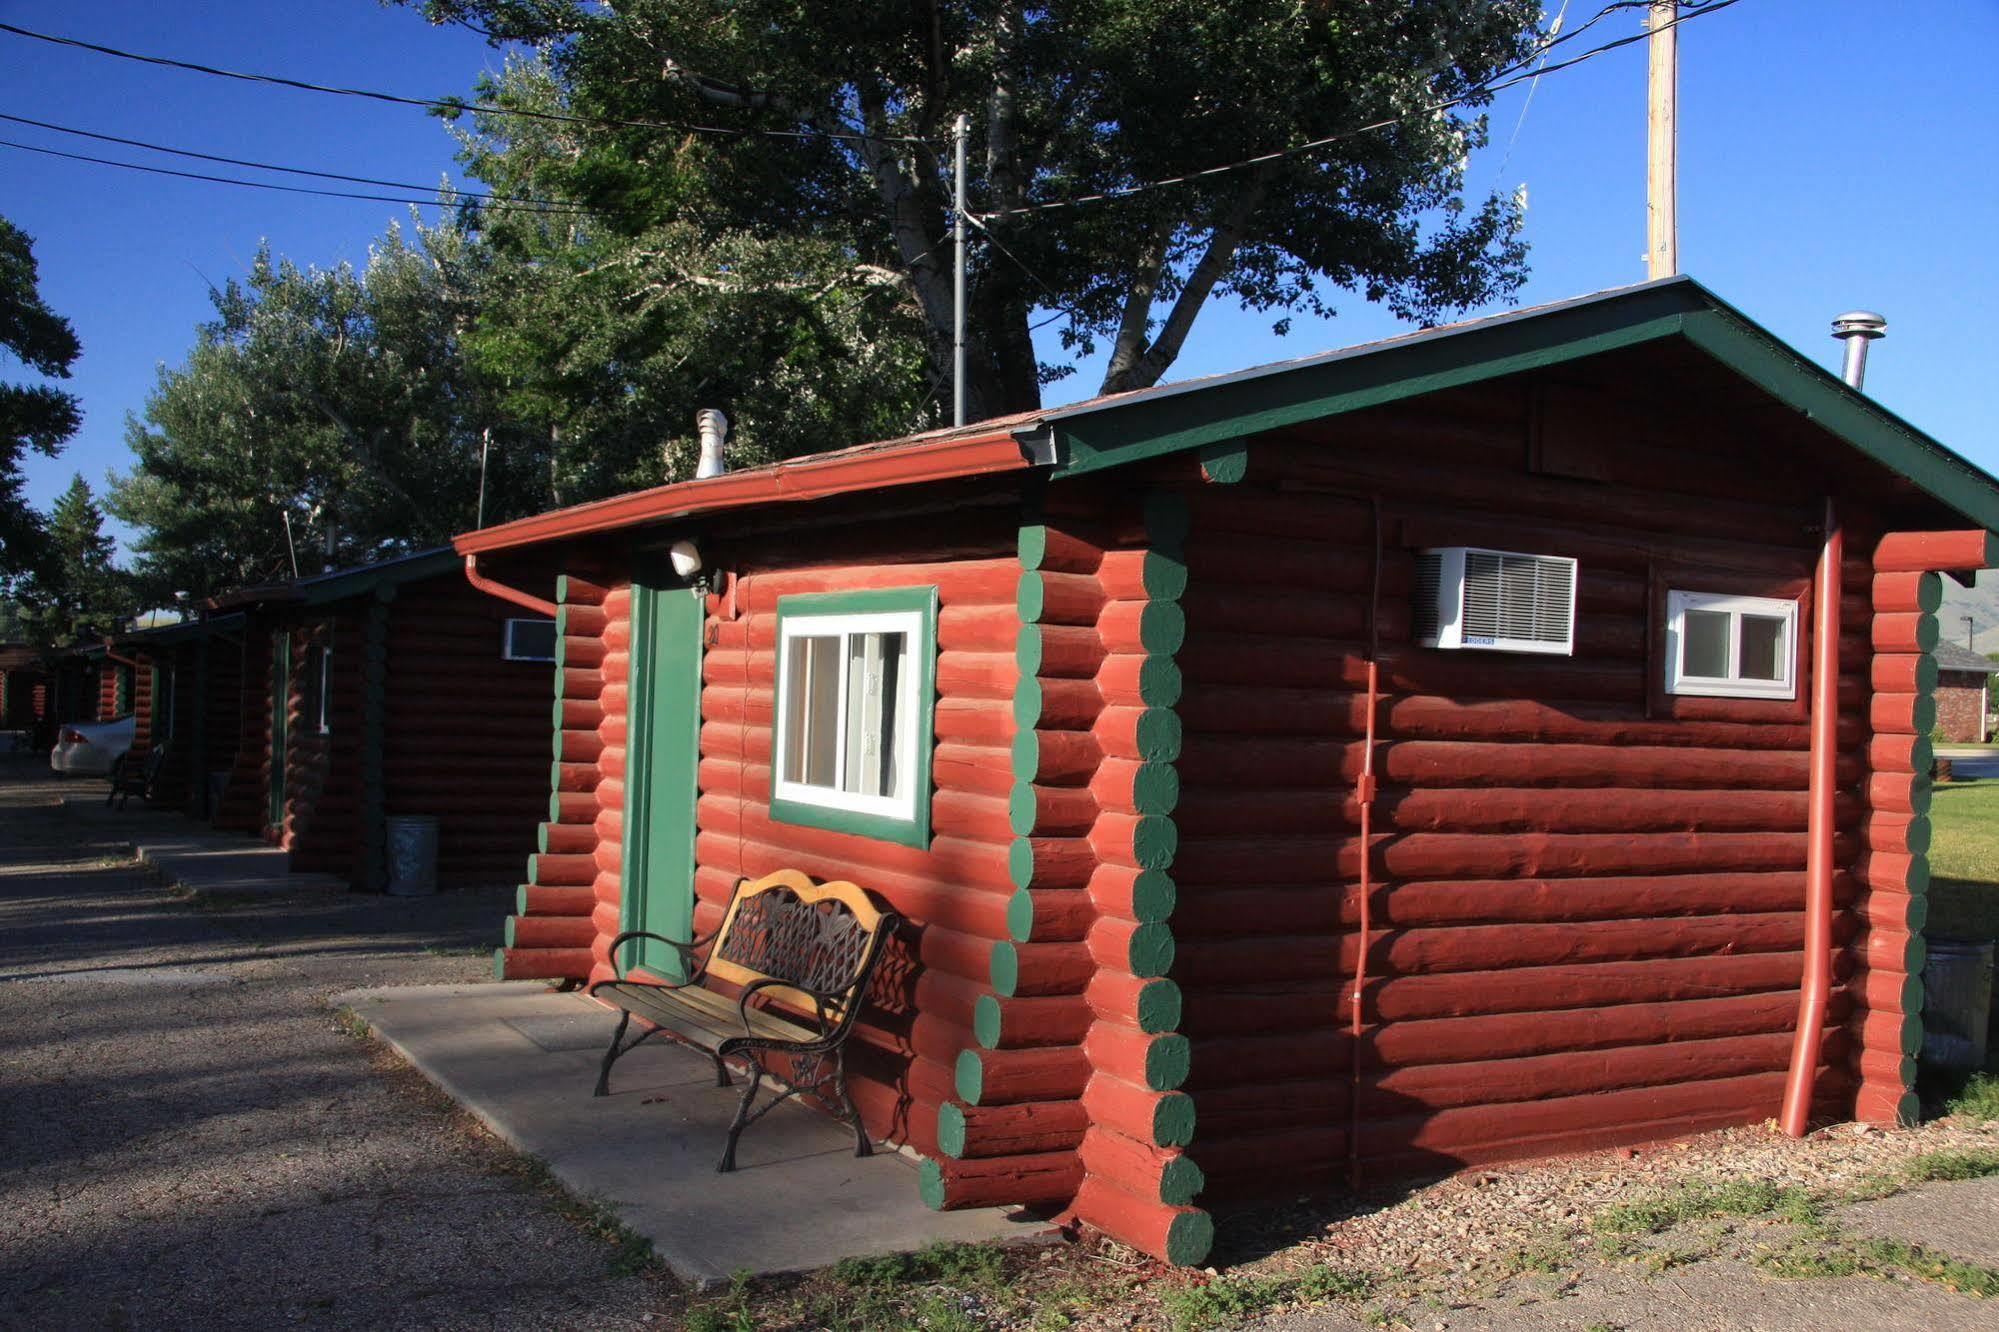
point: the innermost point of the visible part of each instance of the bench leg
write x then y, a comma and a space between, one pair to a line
742, 1117
862, 1147
721, 1070
611, 1057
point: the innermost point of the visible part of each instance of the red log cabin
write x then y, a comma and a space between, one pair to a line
1504, 739
312, 712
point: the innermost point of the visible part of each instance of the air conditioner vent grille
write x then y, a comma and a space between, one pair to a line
1522, 598
1503, 601
1429, 583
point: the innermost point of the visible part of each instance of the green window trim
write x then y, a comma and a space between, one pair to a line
922, 601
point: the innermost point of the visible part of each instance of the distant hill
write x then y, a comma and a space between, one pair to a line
1981, 603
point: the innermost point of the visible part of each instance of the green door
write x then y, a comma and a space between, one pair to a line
657, 886
281, 694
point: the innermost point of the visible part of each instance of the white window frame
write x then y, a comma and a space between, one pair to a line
323, 684
1732, 685
910, 624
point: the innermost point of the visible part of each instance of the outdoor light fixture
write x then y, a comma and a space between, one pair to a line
686, 558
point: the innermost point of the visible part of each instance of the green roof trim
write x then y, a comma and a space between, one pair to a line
1212, 413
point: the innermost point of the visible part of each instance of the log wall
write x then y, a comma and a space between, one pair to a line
322, 814
1588, 895
459, 731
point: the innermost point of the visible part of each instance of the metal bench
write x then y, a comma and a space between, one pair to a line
803, 955
134, 775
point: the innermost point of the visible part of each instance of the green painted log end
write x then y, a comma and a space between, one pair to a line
1159, 735
1162, 628
1030, 596
986, 1023
1159, 1006
930, 1184
1154, 841
1027, 650
1160, 682
1020, 862
1180, 1181
951, 1129
1005, 967
511, 922
1027, 703
1166, 1060
1153, 896
1173, 1120
969, 1077
499, 964
1025, 756
1033, 545
1020, 916
1189, 1237
1151, 951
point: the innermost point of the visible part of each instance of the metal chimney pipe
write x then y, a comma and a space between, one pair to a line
714, 428
1857, 328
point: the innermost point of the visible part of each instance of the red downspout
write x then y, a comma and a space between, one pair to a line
1812, 998
503, 592
124, 661
1364, 792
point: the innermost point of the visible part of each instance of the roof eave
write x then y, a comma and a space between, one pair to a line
807, 479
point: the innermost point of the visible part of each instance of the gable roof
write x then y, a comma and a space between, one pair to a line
1123, 428
1951, 657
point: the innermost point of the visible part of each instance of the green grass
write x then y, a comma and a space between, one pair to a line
1979, 1099
1694, 1200
1228, 1301
1969, 1164
1964, 859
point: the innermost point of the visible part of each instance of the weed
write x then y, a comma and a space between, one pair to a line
1601, 1327
1543, 1256
352, 1024
1979, 1099
731, 1313
1975, 1163
1951, 1273
1223, 1302
1694, 1200
458, 950
979, 1266
1665, 1260
1320, 1283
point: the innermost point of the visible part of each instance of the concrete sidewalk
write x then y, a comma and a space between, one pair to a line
524, 1058
189, 856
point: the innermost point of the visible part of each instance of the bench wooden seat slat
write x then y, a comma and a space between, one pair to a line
811, 948
694, 1011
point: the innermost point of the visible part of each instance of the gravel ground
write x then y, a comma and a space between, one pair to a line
189, 1139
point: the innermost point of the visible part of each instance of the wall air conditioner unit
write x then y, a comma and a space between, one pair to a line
1498, 600
529, 640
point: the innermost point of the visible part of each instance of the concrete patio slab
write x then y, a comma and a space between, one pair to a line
523, 1059
189, 856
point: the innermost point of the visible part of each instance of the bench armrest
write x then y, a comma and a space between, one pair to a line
686, 948
828, 1025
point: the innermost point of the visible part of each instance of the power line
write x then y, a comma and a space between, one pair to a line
1484, 89
553, 205
260, 184
454, 105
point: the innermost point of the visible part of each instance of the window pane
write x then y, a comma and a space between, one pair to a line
812, 711
1704, 644
1762, 654
874, 668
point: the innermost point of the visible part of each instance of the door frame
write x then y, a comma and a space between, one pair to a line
661, 790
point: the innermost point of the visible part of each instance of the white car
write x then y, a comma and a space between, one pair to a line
88, 749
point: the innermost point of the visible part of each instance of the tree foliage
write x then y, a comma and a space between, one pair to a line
609, 334
1069, 98
32, 416
77, 593
330, 412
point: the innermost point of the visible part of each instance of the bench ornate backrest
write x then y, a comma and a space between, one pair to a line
812, 938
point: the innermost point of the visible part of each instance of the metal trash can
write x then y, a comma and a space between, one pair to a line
412, 855
1957, 1002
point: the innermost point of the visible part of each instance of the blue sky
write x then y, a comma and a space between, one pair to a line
1833, 153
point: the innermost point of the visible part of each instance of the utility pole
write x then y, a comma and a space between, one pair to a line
1970, 636
1662, 241
960, 130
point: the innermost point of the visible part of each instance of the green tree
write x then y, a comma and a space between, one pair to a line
609, 337
78, 593
327, 411
1067, 99
32, 416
